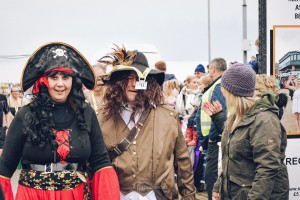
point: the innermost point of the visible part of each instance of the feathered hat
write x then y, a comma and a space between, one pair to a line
56, 55
122, 60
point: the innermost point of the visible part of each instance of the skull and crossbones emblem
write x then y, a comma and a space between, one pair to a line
59, 52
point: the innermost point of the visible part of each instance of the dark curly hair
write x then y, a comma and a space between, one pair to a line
115, 96
39, 121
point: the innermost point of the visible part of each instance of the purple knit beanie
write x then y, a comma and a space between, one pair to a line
239, 80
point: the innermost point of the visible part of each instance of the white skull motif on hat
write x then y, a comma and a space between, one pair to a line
59, 52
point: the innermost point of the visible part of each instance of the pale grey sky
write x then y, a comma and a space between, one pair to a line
287, 39
177, 28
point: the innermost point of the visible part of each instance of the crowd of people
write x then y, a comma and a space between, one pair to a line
121, 129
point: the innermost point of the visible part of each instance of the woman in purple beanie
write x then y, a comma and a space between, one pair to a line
253, 141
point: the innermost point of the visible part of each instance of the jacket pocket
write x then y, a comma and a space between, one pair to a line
240, 182
239, 188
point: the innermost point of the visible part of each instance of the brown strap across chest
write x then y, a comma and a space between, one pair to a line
124, 144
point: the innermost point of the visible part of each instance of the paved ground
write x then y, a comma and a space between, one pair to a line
288, 119
201, 196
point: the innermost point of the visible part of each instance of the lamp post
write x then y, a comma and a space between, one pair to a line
244, 30
208, 13
262, 32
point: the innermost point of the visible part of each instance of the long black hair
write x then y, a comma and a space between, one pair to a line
39, 121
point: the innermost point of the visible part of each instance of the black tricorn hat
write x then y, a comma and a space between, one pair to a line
122, 60
55, 55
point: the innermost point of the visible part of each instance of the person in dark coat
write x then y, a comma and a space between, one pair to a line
253, 142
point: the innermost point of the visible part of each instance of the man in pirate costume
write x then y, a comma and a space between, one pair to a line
143, 136
57, 134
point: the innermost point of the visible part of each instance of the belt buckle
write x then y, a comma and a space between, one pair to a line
48, 169
125, 140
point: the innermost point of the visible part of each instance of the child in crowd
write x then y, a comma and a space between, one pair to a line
171, 90
187, 103
204, 81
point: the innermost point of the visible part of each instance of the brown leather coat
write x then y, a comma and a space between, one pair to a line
158, 152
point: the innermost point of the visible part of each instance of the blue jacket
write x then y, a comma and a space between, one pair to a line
253, 64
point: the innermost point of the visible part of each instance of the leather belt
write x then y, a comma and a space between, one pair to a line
53, 167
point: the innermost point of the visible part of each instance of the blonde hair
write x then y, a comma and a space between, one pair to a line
205, 80
297, 79
169, 86
265, 83
237, 107
257, 42
189, 79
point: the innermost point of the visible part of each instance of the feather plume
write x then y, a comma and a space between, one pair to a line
120, 56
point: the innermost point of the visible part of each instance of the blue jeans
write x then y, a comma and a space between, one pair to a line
211, 169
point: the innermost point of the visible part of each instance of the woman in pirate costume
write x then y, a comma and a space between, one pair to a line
57, 134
